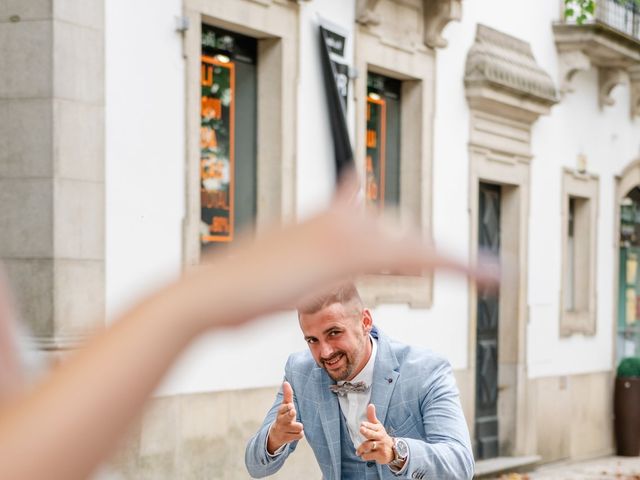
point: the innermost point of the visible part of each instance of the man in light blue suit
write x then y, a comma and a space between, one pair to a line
370, 408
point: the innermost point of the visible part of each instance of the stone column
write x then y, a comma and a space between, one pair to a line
52, 208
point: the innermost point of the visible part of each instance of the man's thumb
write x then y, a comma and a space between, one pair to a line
287, 392
371, 413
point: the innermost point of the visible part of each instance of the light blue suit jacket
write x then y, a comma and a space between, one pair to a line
416, 398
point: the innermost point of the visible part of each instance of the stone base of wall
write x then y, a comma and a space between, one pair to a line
203, 436
573, 416
567, 417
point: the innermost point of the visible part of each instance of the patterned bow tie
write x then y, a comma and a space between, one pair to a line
348, 387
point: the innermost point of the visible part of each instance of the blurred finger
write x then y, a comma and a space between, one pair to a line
348, 188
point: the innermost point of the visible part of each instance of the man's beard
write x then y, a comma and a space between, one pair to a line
351, 363
342, 374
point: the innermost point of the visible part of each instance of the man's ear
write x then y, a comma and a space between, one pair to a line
367, 320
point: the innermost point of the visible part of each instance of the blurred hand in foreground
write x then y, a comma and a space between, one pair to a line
71, 422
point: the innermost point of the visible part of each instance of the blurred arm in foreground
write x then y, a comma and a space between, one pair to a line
70, 423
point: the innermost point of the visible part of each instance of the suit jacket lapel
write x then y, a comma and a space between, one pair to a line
385, 376
330, 419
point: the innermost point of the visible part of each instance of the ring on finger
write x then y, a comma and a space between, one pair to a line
373, 446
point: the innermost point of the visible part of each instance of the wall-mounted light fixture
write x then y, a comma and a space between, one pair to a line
581, 163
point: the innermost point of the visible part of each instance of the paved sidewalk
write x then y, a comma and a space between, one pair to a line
608, 468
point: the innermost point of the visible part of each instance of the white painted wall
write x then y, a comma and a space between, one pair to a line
576, 125
315, 171
145, 202
144, 147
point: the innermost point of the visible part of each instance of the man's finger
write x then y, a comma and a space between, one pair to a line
372, 426
287, 392
371, 413
295, 436
287, 414
372, 434
369, 447
294, 428
371, 456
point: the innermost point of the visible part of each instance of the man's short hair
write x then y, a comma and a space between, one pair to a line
345, 294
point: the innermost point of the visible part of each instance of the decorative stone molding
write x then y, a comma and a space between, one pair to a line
581, 47
413, 63
571, 62
502, 76
580, 316
608, 79
365, 14
437, 14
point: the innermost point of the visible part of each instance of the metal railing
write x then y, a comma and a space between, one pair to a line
621, 15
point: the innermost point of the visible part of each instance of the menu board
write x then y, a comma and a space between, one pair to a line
375, 166
216, 149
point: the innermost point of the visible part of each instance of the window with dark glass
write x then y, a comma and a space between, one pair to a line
570, 294
382, 169
227, 134
576, 295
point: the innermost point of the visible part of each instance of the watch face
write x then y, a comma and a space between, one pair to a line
402, 448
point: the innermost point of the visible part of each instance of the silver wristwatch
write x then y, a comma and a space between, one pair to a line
400, 453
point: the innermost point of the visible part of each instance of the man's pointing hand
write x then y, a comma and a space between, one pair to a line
285, 428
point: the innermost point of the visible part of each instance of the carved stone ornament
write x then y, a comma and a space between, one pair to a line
608, 79
365, 14
501, 75
571, 62
437, 14
599, 45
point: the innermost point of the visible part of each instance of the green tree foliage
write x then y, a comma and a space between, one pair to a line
583, 10
580, 10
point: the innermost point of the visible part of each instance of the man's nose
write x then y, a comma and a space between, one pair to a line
326, 350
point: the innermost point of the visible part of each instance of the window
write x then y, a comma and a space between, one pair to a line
393, 143
579, 253
629, 277
264, 59
227, 135
382, 168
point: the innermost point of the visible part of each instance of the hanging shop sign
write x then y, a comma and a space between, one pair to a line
336, 81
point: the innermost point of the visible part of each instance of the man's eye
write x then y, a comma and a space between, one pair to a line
334, 333
311, 340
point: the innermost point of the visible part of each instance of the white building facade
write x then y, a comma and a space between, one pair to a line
494, 125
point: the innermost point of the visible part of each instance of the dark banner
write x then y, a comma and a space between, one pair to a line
216, 150
336, 101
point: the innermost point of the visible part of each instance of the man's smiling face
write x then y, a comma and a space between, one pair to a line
338, 338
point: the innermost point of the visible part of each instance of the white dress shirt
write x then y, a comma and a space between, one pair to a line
354, 404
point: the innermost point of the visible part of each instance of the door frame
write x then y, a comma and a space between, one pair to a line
511, 172
625, 182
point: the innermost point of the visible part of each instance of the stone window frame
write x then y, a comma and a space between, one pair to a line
414, 65
584, 186
275, 25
